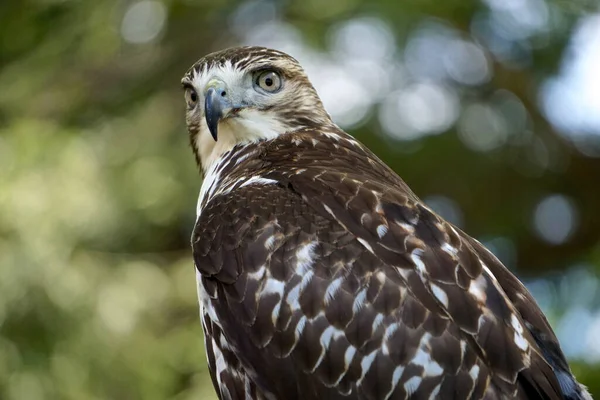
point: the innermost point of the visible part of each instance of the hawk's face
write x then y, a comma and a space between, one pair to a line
245, 94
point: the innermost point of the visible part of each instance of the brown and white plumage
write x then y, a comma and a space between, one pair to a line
323, 276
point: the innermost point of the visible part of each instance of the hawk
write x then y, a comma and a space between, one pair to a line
321, 275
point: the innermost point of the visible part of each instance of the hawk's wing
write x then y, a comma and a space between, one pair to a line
323, 284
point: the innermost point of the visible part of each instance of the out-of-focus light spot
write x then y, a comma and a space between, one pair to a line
154, 189
141, 275
319, 9
579, 286
118, 307
376, 78
344, 98
25, 385
426, 49
281, 36
511, 107
466, 63
503, 248
152, 183
592, 342
437, 52
418, 110
572, 331
538, 157
446, 208
251, 14
518, 19
544, 293
482, 128
7, 158
571, 101
143, 21
69, 368
73, 287
541, 154
363, 39
365, 48
555, 219
516, 53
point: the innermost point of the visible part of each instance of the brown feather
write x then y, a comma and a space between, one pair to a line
323, 276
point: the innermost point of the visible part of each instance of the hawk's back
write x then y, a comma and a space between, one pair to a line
322, 276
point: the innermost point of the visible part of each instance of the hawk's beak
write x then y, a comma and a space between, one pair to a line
216, 106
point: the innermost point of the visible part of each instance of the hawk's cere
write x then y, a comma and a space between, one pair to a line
321, 275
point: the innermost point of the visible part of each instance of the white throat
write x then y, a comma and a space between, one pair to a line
247, 127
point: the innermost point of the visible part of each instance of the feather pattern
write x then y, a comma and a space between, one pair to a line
322, 276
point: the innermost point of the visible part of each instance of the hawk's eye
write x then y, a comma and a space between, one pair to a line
269, 81
191, 97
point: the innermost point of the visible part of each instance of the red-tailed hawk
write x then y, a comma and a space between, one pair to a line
321, 275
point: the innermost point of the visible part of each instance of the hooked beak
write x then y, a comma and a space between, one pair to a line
216, 106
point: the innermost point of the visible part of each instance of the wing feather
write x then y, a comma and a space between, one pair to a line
339, 283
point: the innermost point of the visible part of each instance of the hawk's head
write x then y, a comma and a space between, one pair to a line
245, 94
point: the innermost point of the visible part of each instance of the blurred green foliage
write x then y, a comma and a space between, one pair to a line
98, 185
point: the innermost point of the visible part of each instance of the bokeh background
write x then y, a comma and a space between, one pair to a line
489, 109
